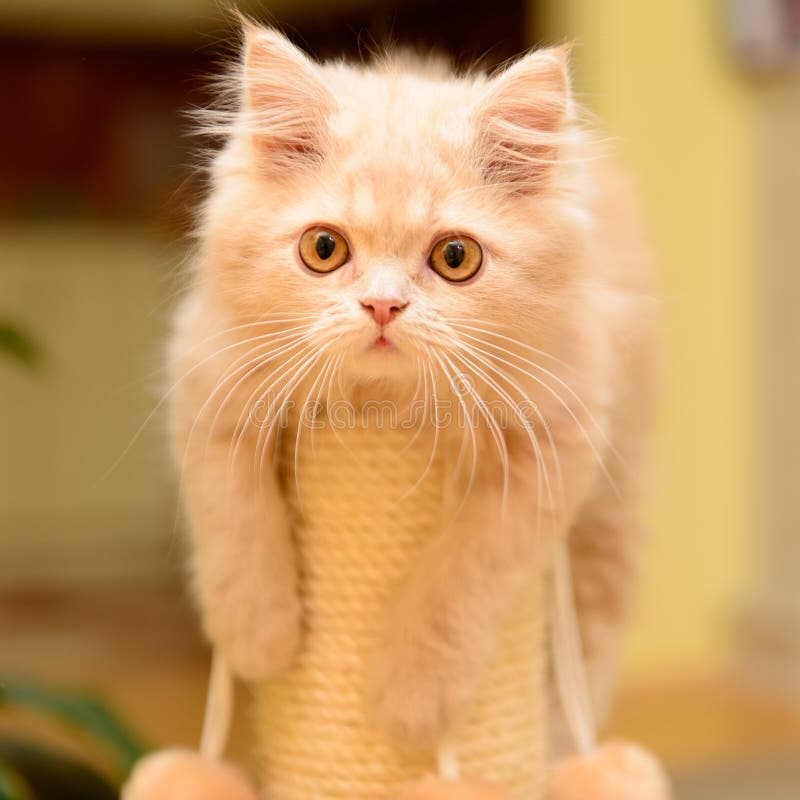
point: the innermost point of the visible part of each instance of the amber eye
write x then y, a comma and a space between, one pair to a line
456, 258
323, 250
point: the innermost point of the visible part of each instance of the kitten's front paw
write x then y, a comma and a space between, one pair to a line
257, 632
416, 695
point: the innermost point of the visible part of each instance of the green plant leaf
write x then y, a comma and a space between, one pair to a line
12, 785
80, 710
49, 774
19, 345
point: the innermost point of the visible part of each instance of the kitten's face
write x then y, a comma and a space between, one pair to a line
384, 215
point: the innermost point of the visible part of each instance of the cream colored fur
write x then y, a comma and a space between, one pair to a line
556, 322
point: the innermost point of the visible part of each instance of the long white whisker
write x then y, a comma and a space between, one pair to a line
298, 341
559, 380
325, 390
491, 424
435, 444
541, 467
225, 332
421, 426
568, 409
301, 372
261, 390
539, 352
226, 377
468, 425
167, 395
260, 362
301, 422
279, 415
474, 352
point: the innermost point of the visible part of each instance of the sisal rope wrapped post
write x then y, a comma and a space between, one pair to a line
361, 515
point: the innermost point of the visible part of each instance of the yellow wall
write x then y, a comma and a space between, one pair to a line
662, 80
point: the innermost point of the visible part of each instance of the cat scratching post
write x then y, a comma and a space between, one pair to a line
361, 516
360, 523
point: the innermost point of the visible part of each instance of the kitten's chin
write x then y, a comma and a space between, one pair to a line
381, 362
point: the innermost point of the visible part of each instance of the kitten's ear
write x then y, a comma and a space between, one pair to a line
522, 117
285, 102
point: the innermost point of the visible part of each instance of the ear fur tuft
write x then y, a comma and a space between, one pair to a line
285, 103
522, 118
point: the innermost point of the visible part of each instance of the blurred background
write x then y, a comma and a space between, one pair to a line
702, 101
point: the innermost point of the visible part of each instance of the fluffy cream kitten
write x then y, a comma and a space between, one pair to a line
378, 233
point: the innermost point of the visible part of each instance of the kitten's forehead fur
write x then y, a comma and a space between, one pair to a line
398, 164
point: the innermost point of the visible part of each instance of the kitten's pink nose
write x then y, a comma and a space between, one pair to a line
383, 310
